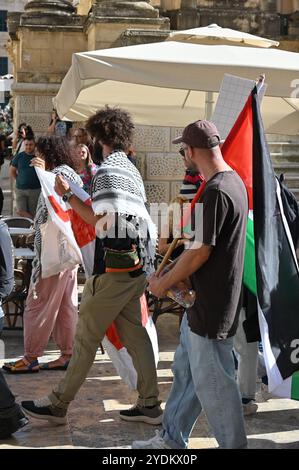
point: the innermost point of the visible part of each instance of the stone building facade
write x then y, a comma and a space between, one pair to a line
5, 7
270, 18
44, 37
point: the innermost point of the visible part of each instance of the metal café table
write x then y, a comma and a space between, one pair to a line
20, 231
24, 253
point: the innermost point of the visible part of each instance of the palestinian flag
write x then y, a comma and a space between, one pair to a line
271, 269
277, 272
237, 152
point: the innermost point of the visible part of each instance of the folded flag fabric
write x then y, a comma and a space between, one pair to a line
118, 353
84, 233
277, 273
59, 247
81, 237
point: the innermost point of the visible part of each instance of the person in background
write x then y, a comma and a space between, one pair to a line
192, 179
6, 267
2, 146
1, 200
246, 348
59, 127
1, 192
81, 136
11, 416
97, 153
131, 154
18, 140
27, 182
86, 168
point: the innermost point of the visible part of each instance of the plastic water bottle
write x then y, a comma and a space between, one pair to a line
183, 296
181, 293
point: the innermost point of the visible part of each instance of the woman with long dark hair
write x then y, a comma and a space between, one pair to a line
24, 132
86, 168
54, 310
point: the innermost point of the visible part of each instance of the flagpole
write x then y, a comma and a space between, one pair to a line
260, 82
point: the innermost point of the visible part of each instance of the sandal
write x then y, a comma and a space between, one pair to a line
23, 366
47, 366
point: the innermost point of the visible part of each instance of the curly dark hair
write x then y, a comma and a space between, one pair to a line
56, 151
112, 126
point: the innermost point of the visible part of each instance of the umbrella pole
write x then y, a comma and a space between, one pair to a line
209, 105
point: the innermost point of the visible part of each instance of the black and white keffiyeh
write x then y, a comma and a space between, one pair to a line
117, 188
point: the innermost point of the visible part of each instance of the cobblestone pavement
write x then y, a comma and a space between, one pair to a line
93, 417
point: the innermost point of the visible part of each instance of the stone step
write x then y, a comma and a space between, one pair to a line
286, 167
292, 181
285, 139
279, 157
285, 148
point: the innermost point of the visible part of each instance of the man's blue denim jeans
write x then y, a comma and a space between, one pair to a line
204, 379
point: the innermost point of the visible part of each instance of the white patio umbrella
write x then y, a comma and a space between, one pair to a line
163, 83
216, 35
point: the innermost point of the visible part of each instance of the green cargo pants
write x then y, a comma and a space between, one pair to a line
107, 298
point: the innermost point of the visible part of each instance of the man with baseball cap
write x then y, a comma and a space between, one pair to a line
200, 134
204, 372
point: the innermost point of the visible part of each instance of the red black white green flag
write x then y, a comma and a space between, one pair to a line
271, 269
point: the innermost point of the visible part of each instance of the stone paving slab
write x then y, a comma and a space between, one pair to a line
94, 416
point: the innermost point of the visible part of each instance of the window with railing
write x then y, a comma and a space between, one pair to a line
3, 65
3, 20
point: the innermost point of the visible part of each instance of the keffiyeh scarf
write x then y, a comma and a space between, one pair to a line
118, 188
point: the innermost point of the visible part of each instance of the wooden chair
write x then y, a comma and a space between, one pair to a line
16, 300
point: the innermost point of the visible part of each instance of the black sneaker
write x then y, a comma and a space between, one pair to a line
143, 414
11, 420
43, 409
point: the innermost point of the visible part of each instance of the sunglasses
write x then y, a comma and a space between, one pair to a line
182, 151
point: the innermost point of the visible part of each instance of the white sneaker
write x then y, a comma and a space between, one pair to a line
249, 408
156, 442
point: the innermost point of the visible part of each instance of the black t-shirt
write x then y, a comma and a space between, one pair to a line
218, 282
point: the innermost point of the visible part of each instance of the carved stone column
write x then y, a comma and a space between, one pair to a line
110, 19
125, 9
42, 41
